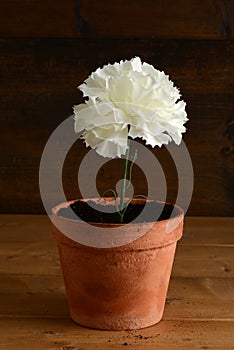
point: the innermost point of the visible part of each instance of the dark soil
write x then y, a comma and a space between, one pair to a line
97, 213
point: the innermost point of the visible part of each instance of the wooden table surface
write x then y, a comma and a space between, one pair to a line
199, 312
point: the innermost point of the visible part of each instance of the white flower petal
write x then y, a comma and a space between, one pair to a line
111, 149
109, 141
132, 99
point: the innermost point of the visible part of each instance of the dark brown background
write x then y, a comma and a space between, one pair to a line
49, 47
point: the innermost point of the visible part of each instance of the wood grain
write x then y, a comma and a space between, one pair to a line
202, 275
180, 19
34, 313
198, 231
39, 258
63, 334
40, 78
27, 247
205, 231
118, 18
47, 49
44, 296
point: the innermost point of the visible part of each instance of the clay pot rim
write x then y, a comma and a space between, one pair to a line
62, 205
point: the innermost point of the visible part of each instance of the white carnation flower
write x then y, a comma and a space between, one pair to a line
129, 99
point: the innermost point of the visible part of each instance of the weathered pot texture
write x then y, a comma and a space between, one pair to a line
122, 287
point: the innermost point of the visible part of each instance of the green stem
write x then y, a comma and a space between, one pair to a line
140, 196
123, 189
115, 196
130, 170
123, 206
106, 191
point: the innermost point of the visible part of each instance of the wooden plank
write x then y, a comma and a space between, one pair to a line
25, 229
35, 18
198, 231
34, 295
203, 70
63, 334
38, 258
162, 19
158, 19
199, 310
207, 231
200, 298
188, 298
41, 258
193, 261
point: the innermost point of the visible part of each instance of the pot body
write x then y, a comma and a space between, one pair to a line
123, 287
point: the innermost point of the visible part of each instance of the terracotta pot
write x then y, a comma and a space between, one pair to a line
123, 287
